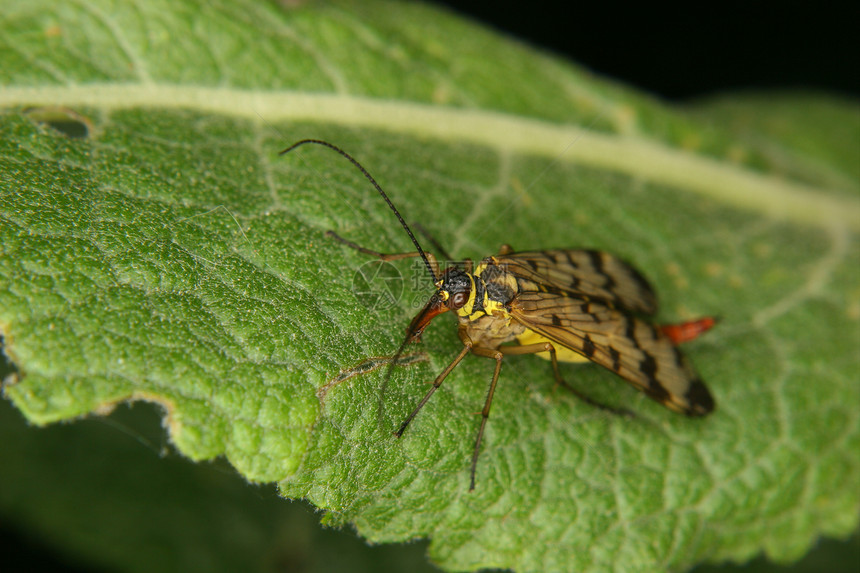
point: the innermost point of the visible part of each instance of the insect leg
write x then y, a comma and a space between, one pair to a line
436, 384
485, 413
548, 347
384, 256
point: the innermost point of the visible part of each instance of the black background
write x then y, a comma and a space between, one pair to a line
703, 48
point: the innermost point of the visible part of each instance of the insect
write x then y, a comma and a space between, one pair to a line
564, 305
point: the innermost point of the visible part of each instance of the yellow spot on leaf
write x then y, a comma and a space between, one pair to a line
762, 250
691, 141
714, 269
736, 154
853, 310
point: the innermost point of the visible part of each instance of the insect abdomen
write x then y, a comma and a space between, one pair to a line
562, 353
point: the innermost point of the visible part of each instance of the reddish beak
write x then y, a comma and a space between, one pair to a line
431, 310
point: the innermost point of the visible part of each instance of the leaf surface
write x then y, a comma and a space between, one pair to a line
172, 256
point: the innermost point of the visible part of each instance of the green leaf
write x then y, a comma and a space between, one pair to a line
168, 254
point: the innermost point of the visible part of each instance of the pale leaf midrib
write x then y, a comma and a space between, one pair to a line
727, 183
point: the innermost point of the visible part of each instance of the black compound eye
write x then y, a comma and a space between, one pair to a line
459, 299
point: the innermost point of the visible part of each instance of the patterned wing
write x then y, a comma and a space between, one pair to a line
635, 350
594, 274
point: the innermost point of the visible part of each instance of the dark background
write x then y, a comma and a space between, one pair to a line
681, 53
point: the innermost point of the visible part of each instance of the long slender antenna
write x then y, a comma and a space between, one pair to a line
377, 187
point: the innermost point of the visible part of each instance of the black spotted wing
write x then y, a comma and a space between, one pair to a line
577, 273
583, 300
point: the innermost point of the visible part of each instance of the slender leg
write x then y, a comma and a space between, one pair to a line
436, 384
485, 413
385, 256
548, 347
497, 355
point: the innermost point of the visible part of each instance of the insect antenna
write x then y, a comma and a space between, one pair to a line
377, 187
410, 336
